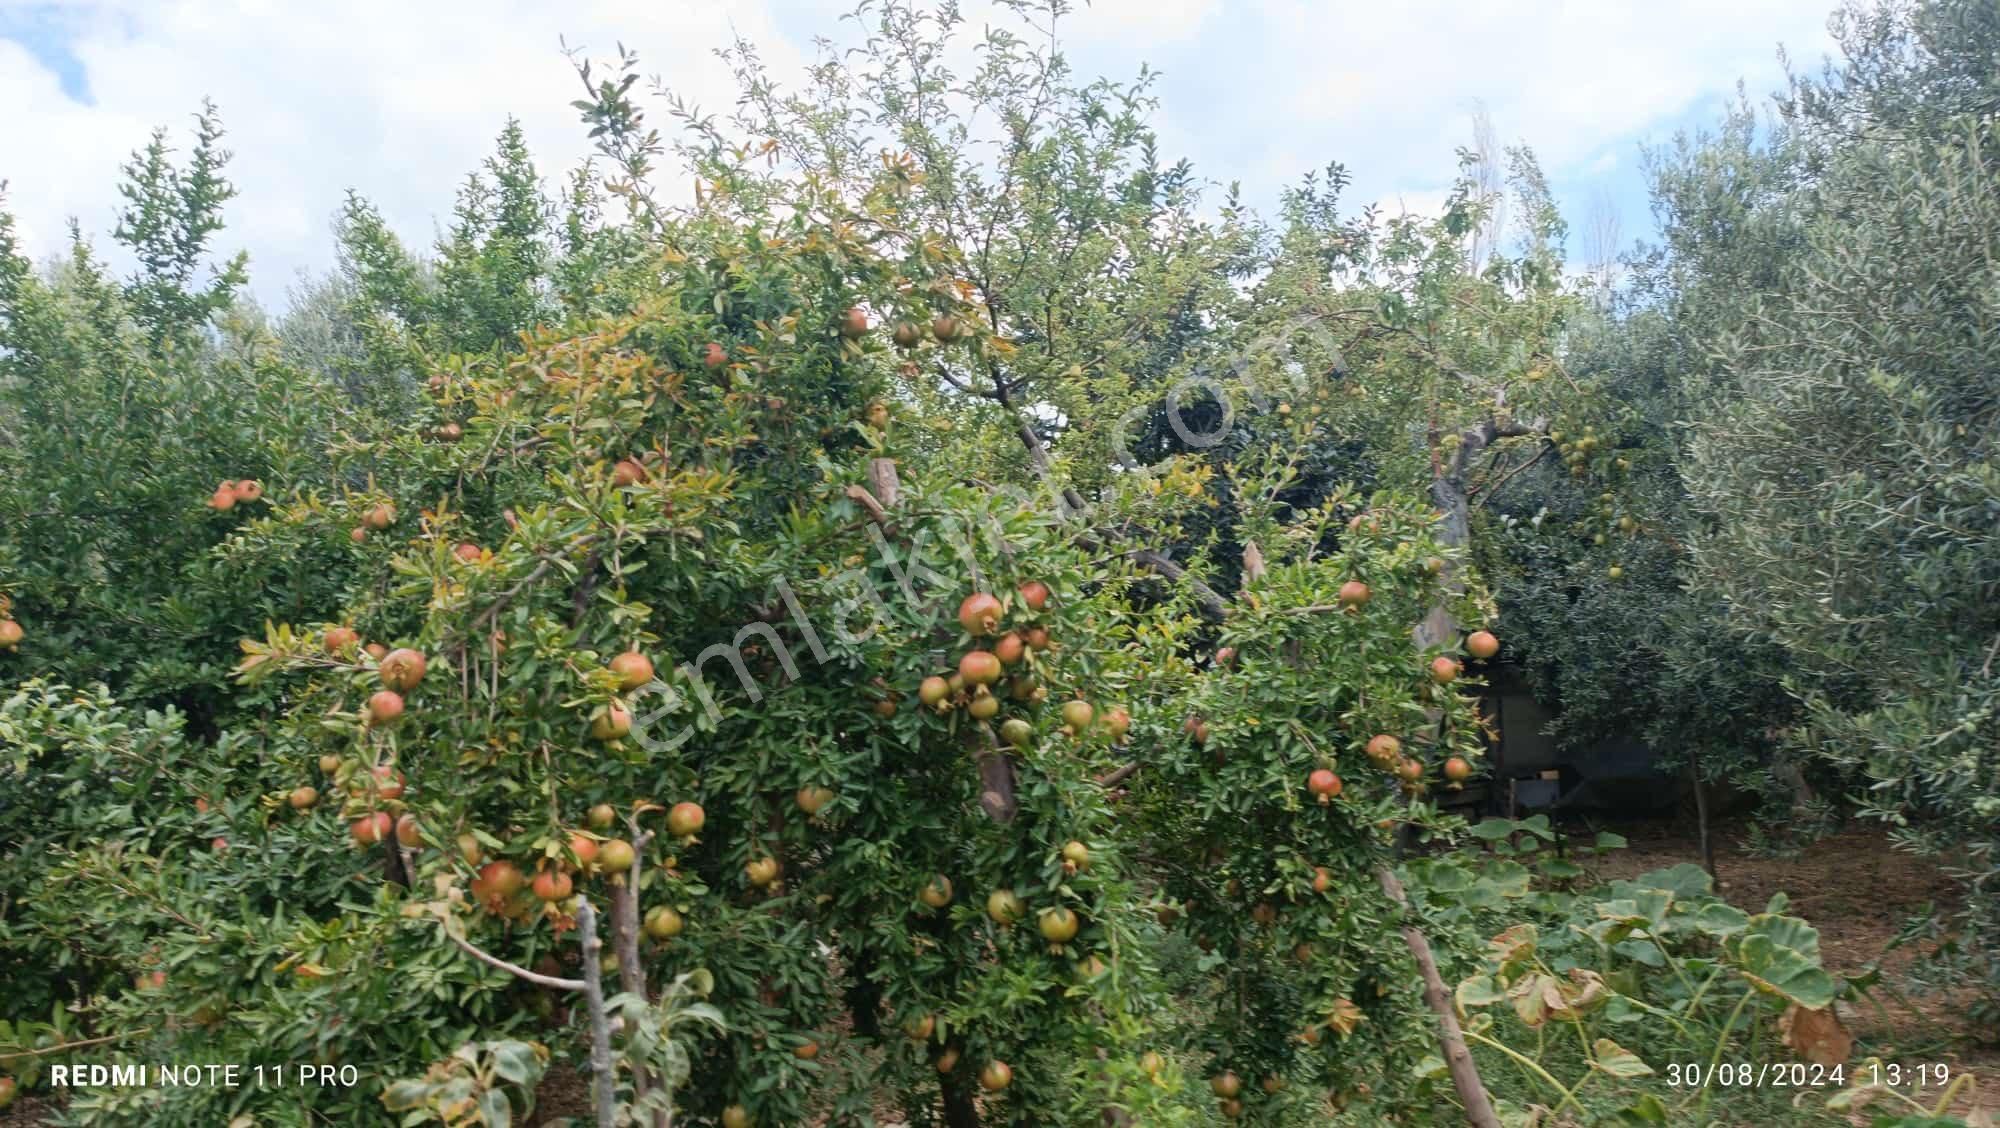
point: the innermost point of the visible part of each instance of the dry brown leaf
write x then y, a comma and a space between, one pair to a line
1816, 1035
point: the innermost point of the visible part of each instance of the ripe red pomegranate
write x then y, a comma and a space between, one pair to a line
995, 1076
715, 357
685, 820
1444, 670
1117, 722
402, 669
1324, 785
1035, 594
338, 639
1457, 769
1011, 648
496, 884
303, 797
385, 708
1482, 644
979, 667
907, 335
409, 831
980, 614
552, 885
614, 723
11, 634
372, 828
387, 780
632, 669
854, 323
249, 489
945, 328
1354, 593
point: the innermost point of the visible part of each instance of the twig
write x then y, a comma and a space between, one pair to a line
1117, 776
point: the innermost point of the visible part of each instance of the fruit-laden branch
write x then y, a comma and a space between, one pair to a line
1212, 605
1457, 1058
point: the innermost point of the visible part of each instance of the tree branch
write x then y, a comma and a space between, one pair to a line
554, 983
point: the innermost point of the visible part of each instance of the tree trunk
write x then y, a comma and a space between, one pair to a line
605, 1091
960, 1109
864, 995
631, 973
1457, 1058
1701, 817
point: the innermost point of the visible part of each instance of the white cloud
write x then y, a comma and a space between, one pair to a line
397, 100
400, 100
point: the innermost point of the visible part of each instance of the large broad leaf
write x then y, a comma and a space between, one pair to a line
1618, 1061
1530, 996
1581, 994
1512, 948
1719, 919
494, 1109
1477, 991
404, 1095
518, 1062
1685, 880
1780, 955
1648, 1109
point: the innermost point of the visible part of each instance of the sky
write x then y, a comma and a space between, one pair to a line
399, 100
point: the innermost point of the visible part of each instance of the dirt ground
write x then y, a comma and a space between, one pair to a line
1858, 891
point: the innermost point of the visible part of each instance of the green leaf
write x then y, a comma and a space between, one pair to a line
1780, 955
1719, 919
1684, 880
1477, 991
1609, 841
517, 1062
409, 1093
1646, 1110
